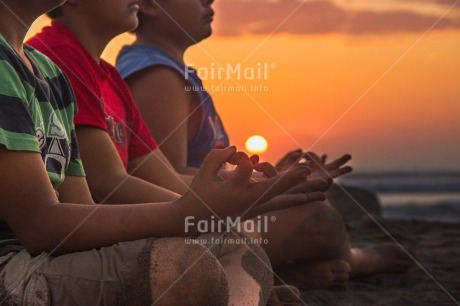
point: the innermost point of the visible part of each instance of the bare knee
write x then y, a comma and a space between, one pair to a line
326, 218
257, 264
186, 273
241, 253
323, 222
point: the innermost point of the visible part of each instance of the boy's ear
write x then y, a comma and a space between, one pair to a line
149, 7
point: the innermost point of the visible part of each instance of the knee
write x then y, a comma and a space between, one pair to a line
256, 263
186, 273
241, 253
322, 220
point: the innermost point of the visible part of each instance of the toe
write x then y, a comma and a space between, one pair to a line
287, 294
340, 266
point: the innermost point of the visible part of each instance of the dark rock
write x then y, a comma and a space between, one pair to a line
354, 202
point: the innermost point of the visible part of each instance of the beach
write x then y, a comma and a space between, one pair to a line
437, 246
420, 212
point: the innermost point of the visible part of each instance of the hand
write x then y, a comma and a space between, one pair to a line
264, 170
301, 194
328, 171
231, 197
320, 168
267, 170
289, 161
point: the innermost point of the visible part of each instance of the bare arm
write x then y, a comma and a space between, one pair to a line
75, 189
169, 111
156, 169
106, 175
41, 223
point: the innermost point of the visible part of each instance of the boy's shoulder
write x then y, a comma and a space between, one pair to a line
46, 65
137, 57
151, 52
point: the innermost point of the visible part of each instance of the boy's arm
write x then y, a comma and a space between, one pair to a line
166, 112
74, 189
156, 169
106, 175
41, 223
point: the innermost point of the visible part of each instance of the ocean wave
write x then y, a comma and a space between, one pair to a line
405, 182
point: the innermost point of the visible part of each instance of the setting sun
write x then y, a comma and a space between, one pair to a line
256, 144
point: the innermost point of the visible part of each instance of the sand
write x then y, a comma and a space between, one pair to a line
438, 251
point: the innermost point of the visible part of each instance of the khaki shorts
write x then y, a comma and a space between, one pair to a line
116, 275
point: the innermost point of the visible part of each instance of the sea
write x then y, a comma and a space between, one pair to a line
433, 196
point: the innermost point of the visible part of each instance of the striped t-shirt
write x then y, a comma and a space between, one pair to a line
37, 110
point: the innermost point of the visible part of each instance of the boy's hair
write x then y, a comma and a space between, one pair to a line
57, 12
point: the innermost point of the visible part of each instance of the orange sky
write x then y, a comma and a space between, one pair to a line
406, 113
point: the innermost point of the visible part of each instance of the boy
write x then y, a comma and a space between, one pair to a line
186, 124
69, 251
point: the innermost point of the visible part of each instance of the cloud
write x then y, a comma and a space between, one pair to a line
390, 22
237, 17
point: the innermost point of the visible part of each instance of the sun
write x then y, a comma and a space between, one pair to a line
256, 144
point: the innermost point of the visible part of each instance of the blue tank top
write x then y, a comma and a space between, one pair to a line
211, 133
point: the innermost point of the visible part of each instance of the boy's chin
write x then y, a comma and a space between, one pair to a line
130, 25
134, 25
206, 34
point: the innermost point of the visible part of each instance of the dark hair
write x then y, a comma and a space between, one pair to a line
57, 12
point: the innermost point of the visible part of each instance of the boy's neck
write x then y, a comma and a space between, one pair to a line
14, 24
94, 41
14, 36
172, 48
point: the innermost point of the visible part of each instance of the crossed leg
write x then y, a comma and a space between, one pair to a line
214, 271
314, 238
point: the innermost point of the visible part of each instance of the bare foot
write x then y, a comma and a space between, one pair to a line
284, 295
328, 274
382, 258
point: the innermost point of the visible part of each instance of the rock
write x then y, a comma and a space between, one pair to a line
348, 199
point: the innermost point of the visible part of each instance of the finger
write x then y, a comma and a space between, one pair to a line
309, 186
266, 189
254, 159
339, 162
277, 203
279, 165
215, 160
292, 161
243, 170
267, 169
286, 201
344, 170
324, 159
313, 159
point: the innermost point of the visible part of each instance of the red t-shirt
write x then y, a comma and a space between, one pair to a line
103, 98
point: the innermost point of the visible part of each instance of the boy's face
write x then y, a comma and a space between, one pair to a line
35, 7
115, 16
193, 16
